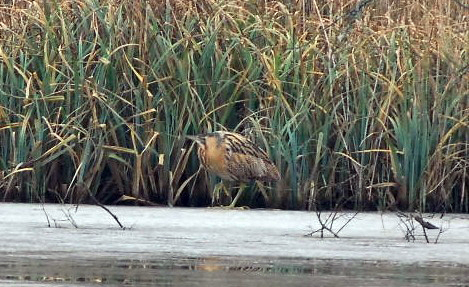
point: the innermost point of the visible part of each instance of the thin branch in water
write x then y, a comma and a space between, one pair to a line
438, 235
407, 220
45, 213
328, 223
105, 208
348, 221
69, 218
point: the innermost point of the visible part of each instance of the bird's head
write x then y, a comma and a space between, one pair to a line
211, 142
205, 143
209, 139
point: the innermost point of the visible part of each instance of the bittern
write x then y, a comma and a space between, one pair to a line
233, 157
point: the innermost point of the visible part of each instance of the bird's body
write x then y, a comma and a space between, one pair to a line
233, 157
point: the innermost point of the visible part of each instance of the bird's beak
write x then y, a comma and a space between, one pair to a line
197, 139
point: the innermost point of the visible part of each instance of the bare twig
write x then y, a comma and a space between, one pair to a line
96, 201
407, 220
438, 235
45, 213
425, 224
327, 224
105, 208
348, 221
322, 232
69, 218
408, 223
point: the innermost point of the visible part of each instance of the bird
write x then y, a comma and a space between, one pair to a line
234, 158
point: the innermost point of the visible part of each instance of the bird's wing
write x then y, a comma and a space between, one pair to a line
238, 144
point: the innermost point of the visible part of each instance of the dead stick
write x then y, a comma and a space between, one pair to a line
105, 208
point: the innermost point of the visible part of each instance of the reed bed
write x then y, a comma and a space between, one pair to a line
360, 104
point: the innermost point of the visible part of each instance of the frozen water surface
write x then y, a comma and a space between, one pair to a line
218, 247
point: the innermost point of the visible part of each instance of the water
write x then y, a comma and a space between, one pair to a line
215, 271
215, 247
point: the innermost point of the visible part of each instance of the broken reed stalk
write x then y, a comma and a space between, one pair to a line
96, 201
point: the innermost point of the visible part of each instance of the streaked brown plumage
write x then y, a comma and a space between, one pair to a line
233, 157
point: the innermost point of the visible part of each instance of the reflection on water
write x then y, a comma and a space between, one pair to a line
215, 271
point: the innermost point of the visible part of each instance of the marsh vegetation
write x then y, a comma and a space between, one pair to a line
362, 103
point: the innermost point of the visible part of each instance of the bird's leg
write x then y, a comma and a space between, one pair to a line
219, 187
242, 187
262, 189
